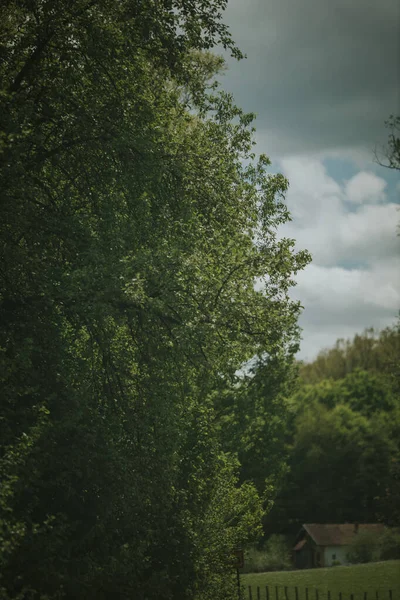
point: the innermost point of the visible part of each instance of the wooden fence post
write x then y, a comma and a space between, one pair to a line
267, 593
276, 593
340, 595
306, 593
296, 591
250, 593
316, 594
329, 595
365, 595
258, 593
390, 594
286, 596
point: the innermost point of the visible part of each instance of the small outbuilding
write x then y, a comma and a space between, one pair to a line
321, 545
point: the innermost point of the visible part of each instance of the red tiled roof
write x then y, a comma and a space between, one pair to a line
340, 534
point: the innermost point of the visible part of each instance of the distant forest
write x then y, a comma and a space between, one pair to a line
343, 437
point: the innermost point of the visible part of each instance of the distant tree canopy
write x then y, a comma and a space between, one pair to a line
343, 436
134, 221
373, 351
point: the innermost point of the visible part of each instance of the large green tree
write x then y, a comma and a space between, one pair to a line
134, 223
253, 419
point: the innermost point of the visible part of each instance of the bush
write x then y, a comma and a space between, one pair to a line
274, 556
364, 548
367, 547
336, 563
254, 560
389, 544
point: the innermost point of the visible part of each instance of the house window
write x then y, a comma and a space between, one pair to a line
333, 556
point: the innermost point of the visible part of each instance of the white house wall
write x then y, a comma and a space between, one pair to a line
340, 553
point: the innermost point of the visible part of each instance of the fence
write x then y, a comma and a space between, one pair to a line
296, 593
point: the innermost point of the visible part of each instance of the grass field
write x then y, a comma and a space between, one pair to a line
375, 579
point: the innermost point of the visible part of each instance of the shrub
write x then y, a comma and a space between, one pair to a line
389, 544
254, 561
364, 548
274, 556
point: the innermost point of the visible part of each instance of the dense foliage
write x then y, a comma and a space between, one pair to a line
367, 547
343, 437
372, 351
273, 555
134, 223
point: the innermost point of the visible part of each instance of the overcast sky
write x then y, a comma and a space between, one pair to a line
322, 77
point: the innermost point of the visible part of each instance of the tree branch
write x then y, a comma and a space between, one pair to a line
40, 47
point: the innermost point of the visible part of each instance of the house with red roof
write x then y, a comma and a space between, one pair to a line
322, 545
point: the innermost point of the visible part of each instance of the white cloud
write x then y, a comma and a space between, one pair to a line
323, 224
340, 303
353, 281
334, 289
309, 184
369, 234
365, 187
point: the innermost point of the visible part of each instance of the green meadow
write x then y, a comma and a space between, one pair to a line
379, 580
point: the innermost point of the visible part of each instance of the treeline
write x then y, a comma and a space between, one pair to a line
371, 351
343, 437
134, 220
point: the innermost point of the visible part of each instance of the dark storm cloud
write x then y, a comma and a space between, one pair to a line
319, 74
